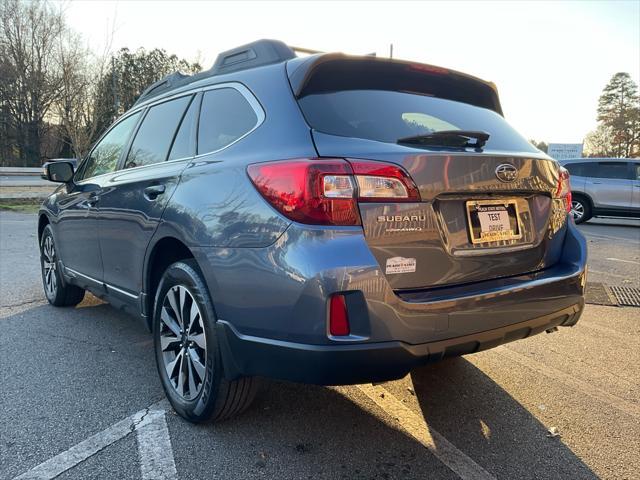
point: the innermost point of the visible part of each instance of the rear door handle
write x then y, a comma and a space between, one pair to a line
154, 191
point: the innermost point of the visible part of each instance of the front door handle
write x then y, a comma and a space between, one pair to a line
93, 199
154, 191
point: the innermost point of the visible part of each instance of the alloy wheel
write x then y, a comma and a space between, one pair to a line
49, 266
577, 210
183, 342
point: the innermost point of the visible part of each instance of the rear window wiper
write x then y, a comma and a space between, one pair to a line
448, 138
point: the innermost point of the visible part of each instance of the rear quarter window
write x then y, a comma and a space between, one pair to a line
387, 116
225, 116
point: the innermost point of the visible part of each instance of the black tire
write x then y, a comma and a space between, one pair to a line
214, 398
580, 209
58, 292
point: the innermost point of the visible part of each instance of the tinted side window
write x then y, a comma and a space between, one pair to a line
225, 116
636, 171
105, 155
575, 169
151, 144
182, 147
618, 170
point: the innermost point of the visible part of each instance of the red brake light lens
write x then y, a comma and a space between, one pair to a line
297, 189
338, 316
564, 188
326, 191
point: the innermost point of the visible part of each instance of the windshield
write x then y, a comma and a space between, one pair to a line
387, 116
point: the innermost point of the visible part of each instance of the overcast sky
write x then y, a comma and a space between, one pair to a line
550, 60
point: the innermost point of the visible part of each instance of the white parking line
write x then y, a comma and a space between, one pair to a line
608, 237
87, 448
623, 261
154, 450
416, 426
605, 397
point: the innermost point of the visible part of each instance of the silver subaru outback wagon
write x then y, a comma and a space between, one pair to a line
324, 219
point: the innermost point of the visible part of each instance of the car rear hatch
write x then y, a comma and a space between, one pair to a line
485, 211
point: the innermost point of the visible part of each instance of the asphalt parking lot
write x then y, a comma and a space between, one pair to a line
80, 397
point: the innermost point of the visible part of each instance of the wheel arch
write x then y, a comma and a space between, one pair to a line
584, 195
43, 221
165, 251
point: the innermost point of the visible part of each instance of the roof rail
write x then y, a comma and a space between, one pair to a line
251, 55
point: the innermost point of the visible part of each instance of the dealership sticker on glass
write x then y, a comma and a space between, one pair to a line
400, 265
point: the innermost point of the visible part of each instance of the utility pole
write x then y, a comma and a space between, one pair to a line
391, 50
114, 86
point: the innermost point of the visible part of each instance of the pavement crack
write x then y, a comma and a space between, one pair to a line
136, 423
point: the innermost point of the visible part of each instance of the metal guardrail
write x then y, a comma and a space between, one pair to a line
20, 170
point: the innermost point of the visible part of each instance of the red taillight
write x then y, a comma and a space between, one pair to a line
296, 189
338, 317
564, 188
326, 191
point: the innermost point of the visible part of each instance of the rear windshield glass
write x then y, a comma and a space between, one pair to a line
387, 116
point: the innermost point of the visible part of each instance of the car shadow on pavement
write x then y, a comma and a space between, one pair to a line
296, 431
480, 418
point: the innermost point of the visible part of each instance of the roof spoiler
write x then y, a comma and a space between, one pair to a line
337, 71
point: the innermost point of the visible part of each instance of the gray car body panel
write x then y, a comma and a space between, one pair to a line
270, 278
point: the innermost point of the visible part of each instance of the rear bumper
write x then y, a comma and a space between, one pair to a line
369, 362
277, 328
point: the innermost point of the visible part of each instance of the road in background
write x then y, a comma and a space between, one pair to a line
69, 375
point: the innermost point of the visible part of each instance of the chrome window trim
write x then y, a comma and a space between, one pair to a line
243, 90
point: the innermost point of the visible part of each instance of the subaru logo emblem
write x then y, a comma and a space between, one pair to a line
505, 172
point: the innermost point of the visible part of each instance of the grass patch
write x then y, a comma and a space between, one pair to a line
28, 205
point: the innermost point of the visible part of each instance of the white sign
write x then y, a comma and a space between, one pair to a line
564, 151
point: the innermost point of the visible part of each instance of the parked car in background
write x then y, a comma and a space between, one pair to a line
326, 219
604, 187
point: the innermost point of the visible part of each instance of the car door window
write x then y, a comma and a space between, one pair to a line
105, 155
152, 141
635, 171
182, 145
617, 170
225, 116
575, 169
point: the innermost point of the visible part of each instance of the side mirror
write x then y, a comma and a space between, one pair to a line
60, 172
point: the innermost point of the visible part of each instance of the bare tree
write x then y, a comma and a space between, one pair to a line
30, 80
77, 111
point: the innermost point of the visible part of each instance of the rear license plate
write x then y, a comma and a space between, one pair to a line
493, 220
